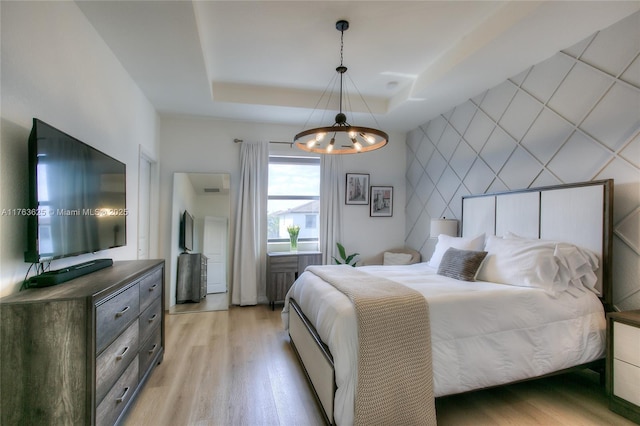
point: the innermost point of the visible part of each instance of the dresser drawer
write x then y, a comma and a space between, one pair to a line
114, 315
149, 349
626, 381
626, 343
150, 318
150, 288
283, 263
118, 397
115, 359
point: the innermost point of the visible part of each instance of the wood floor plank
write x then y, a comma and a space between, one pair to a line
237, 368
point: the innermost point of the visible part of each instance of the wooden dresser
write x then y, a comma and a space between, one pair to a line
283, 269
623, 363
79, 352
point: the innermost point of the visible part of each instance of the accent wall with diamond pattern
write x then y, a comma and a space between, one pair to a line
574, 117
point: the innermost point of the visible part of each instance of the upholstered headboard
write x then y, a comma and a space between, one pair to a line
580, 214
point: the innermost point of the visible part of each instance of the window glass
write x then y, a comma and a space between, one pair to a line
294, 197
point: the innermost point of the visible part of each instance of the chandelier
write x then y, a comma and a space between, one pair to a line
341, 137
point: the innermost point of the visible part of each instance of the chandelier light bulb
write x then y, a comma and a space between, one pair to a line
370, 139
331, 143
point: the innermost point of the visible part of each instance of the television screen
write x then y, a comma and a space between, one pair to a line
77, 197
186, 231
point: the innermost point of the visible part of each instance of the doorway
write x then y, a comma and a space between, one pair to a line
214, 247
144, 204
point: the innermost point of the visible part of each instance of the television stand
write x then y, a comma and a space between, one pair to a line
58, 276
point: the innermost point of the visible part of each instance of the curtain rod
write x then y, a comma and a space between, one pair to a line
236, 140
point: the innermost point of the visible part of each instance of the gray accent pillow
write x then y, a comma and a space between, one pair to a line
461, 264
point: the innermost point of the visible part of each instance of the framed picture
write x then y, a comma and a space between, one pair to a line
381, 201
357, 189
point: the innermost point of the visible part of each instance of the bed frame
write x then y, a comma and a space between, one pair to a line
581, 214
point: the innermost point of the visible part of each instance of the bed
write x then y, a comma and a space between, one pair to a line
485, 331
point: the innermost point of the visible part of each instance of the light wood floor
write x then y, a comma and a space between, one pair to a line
236, 368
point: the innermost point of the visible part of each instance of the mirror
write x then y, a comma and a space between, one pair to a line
205, 196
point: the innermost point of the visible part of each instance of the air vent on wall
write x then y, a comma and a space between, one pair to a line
212, 190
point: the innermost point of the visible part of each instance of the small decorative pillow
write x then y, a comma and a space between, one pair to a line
391, 258
461, 264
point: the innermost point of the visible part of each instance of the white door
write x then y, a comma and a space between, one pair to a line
214, 246
144, 208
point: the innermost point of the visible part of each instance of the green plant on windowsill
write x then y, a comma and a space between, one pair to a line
293, 231
344, 258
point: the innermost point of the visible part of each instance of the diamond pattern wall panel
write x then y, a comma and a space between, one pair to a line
578, 93
614, 117
632, 74
631, 152
543, 79
574, 117
546, 135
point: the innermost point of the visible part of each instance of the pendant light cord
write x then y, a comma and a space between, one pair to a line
341, 67
341, 45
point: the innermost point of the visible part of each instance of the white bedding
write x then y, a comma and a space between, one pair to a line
482, 334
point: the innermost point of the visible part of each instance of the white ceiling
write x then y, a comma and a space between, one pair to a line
270, 61
209, 183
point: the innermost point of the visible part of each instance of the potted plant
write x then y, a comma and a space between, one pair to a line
293, 230
344, 258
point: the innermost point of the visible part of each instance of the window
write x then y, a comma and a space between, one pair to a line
294, 197
311, 221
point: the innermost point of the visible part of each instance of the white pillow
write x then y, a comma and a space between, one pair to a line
590, 256
527, 263
396, 258
576, 269
577, 265
445, 242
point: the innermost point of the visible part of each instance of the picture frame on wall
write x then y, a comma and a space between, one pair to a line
381, 201
357, 188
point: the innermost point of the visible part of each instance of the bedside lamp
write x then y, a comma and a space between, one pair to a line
443, 226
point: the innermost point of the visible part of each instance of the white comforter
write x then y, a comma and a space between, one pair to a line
482, 334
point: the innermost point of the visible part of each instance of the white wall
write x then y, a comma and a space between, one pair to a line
194, 144
56, 67
574, 117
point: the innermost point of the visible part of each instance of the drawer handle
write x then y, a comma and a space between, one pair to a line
153, 349
153, 318
121, 313
153, 287
124, 395
119, 357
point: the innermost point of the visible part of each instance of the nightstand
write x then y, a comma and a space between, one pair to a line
623, 363
283, 269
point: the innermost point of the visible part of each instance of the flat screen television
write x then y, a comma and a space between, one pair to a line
77, 197
186, 232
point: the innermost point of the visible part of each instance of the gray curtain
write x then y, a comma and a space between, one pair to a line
331, 201
249, 255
